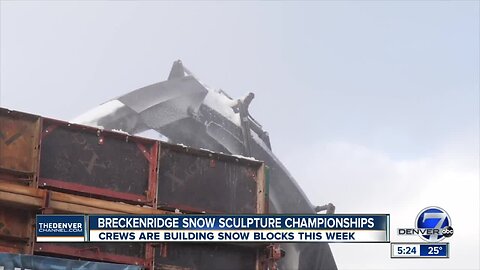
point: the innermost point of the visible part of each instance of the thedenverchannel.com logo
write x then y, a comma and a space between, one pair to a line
433, 224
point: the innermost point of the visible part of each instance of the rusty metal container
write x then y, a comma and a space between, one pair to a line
12, 261
19, 140
18, 247
16, 229
93, 162
198, 181
211, 256
124, 253
140, 254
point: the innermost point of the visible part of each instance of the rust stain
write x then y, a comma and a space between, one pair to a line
15, 222
18, 142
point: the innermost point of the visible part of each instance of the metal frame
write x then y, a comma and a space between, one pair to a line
48, 200
261, 176
94, 253
19, 247
148, 147
41, 199
16, 235
19, 176
262, 251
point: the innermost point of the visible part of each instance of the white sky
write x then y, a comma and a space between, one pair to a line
373, 106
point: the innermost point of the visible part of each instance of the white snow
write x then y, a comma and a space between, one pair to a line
222, 104
152, 134
120, 131
244, 157
91, 117
260, 142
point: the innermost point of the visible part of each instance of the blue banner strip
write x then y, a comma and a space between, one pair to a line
433, 250
235, 222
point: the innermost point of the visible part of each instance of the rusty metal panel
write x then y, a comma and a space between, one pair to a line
16, 229
19, 135
127, 253
193, 256
17, 247
201, 181
94, 162
25, 262
16, 223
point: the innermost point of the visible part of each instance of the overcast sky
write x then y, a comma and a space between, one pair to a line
373, 106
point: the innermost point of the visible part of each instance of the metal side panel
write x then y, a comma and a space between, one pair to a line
188, 256
16, 223
19, 261
19, 135
202, 181
126, 253
16, 229
93, 162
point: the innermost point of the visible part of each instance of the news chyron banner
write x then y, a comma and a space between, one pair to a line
214, 228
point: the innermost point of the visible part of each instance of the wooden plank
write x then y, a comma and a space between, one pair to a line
20, 199
22, 190
114, 207
63, 207
34, 197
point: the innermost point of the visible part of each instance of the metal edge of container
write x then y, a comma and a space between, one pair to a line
28, 175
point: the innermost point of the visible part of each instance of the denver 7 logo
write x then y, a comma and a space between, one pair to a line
433, 218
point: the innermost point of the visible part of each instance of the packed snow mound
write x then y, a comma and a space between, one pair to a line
92, 116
